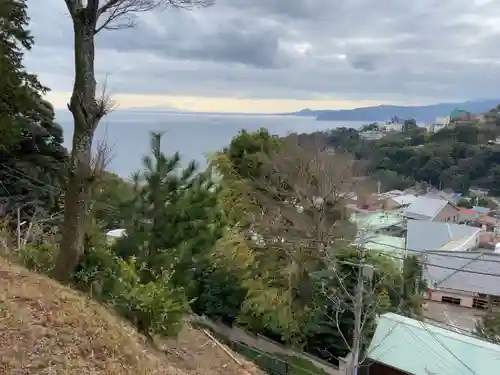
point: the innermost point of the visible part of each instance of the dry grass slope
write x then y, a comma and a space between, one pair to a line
49, 329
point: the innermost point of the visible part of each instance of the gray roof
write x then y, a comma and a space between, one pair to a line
425, 208
460, 278
431, 235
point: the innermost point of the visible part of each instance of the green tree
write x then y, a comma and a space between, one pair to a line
175, 218
489, 327
31, 152
20, 92
249, 151
466, 203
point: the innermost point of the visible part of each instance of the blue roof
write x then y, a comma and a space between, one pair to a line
421, 349
481, 210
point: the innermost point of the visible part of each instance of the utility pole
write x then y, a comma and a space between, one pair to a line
405, 255
358, 308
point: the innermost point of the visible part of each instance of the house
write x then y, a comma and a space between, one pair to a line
404, 346
433, 209
399, 201
468, 279
467, 215
424, 236
378, 222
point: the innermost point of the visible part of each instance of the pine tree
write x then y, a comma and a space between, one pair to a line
175, 218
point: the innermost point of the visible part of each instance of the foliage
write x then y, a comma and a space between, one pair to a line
111, 194
249, 151
466, 203
330, 329
155, 307
489, 327
39, 258
458, 157
175, 218
31, 153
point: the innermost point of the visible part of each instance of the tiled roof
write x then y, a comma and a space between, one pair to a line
453, 271
421, 349
468, 211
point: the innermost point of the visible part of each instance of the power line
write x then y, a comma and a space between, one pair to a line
105, 206
382, 253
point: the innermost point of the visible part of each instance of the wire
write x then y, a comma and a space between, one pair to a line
444, 253
382, 253
105, 206
445, 347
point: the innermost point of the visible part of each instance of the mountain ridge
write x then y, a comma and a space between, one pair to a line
387, 111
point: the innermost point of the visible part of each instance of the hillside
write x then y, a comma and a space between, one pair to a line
385, 112
50, 329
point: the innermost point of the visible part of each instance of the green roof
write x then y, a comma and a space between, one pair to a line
421, 349
386, 244
377, 220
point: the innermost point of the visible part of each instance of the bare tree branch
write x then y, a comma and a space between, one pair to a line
121, 14
303, 192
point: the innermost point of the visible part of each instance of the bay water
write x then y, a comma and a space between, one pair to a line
193, 135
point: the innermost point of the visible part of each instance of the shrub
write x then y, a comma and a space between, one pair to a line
155, 307
38, 257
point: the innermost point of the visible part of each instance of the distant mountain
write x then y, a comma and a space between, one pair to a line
385, 112
305, 113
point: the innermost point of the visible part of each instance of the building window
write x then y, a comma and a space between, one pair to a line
479, 303
451, 300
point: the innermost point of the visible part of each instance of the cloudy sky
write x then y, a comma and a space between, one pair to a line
280, 55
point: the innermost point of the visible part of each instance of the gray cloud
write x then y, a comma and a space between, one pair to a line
386, 50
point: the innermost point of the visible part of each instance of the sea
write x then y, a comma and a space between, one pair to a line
193, 135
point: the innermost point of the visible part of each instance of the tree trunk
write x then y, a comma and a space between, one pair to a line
86, 116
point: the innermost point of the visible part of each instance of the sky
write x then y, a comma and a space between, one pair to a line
283, 55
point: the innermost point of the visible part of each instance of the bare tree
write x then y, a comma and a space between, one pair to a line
303, 192
89, 18
304, 189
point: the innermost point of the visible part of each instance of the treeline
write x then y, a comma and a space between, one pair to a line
458, 157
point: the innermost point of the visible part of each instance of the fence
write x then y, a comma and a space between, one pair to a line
269, 356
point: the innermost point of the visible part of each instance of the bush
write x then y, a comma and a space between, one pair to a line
40, 258
155, 307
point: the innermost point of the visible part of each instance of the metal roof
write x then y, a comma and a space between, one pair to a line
421, 349
377, 220
432, 235
453, 271
425, 208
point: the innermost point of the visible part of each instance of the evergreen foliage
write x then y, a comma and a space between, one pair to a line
32, 157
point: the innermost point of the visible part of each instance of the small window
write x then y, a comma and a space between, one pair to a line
479, 303
451, 300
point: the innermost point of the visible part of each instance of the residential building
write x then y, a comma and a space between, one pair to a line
399, 201
424, 236
468, 279
379, 222
404, 346
432, 209
460, 115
